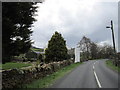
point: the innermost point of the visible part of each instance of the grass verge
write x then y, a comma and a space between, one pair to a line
50, 79
11, 65
110, 64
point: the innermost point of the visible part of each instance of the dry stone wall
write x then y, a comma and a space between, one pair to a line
15, 78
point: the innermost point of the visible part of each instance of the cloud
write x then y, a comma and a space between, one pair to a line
74, 19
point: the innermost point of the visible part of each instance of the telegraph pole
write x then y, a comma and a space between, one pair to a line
113, 40
113, 36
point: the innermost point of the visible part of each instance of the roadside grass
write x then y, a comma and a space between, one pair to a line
50, 79
11, 65
110, 64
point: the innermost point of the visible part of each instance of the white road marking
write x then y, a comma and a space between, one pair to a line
93, 67
98, 82
95, 62
96, 77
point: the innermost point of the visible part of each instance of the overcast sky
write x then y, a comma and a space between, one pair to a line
74, 19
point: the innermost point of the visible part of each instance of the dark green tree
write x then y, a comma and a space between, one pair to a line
17, 19
57, 49
40, 58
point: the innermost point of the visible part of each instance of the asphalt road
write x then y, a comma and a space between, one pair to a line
90, 74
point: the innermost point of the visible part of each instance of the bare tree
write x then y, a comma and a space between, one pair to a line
94, 50
84, 45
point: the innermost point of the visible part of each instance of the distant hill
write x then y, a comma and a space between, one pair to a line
37, 49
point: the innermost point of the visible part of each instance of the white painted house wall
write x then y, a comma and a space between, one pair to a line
77, 54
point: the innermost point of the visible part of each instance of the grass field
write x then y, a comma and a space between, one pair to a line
38, 50
11, 65
110, 64
49, 80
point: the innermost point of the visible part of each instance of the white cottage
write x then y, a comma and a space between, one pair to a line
77, 54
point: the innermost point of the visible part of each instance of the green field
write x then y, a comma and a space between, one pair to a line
110, 64
38, 50
11, 65
50, 79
